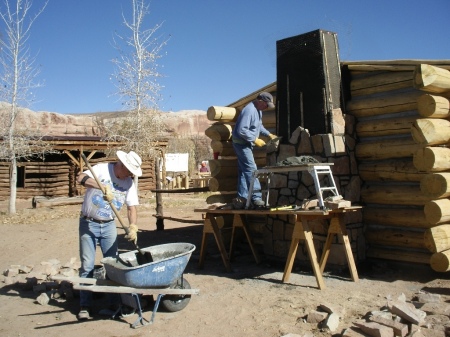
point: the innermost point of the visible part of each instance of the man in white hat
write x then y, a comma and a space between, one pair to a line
97, 224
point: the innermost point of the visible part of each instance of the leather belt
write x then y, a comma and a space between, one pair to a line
95, 220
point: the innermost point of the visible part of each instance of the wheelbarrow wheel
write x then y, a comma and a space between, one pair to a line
173, 303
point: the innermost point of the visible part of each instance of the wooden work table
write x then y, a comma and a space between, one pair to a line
301, 231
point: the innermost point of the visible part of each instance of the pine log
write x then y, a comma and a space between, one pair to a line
395, 238
396, 217
393, 195
414, 256
381, 82
437, 239
437, 211
39, 202
430, 131
432, 106
387, 149
436, 185
390, 170
432, 159
227, 184
225, 149
385, 104
219, 131
47, 170
385, 127
222, 197
222, 113
440, 262
431, 79
226, 168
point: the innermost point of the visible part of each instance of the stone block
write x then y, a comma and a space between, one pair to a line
375, 329
316, 317
399, 328
332, 322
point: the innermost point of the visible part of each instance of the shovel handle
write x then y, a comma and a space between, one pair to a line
100, 186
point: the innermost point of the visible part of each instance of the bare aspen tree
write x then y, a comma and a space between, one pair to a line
17, 76
136, 78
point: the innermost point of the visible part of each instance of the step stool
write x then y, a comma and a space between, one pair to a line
316, 171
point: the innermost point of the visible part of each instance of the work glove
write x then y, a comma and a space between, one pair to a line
132, 233
259, 142
108, 195
271, 136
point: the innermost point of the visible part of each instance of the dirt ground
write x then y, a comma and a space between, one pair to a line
250, 301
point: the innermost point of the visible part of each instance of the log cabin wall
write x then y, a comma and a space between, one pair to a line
56, 176
396, 145
402, 112
273, 233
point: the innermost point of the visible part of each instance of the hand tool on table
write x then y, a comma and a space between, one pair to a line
141, 257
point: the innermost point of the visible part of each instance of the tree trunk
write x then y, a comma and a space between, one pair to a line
436, 185
221, 113
413, 256
385, 104
431, 79
396, 217
387, 149
385, 127
385, 81
429, 131
437, 239
395, 238
227, 184
393, 195
431, 106
219, 131
13, 186
432, 159
437, 211
390, 170
440, 262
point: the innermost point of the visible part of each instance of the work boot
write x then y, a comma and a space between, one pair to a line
83, 314
239, 203
258, 204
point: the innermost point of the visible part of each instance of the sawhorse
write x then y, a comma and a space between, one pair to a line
303, 232
211, 227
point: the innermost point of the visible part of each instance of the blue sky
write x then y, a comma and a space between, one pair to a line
218, 51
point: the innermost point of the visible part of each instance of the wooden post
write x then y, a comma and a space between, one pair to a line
159, 202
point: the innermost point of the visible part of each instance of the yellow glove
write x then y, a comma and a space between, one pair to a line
132, 233
271, 136
109, 195
259, 142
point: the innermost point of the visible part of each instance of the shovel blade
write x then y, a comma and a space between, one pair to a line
144, 257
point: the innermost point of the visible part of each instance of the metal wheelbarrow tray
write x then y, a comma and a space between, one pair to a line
169, 262
162, 277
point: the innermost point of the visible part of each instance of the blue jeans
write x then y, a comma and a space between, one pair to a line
246, 166
91, 234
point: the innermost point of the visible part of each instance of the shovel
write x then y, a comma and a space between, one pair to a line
141, 257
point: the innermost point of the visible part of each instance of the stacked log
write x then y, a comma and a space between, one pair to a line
403, 156
223, 168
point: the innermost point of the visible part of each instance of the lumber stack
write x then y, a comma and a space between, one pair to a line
403, 152
224, 165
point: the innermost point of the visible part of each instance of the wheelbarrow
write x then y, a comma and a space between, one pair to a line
162, 277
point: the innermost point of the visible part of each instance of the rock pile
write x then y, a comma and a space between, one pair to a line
426, 315
39, 279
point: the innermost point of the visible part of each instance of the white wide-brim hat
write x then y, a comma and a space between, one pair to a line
132, 161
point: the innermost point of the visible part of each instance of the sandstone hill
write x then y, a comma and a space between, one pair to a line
183, 123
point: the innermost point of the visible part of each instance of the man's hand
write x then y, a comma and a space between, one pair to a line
259, 142
108, 196
271, 136
132, 233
